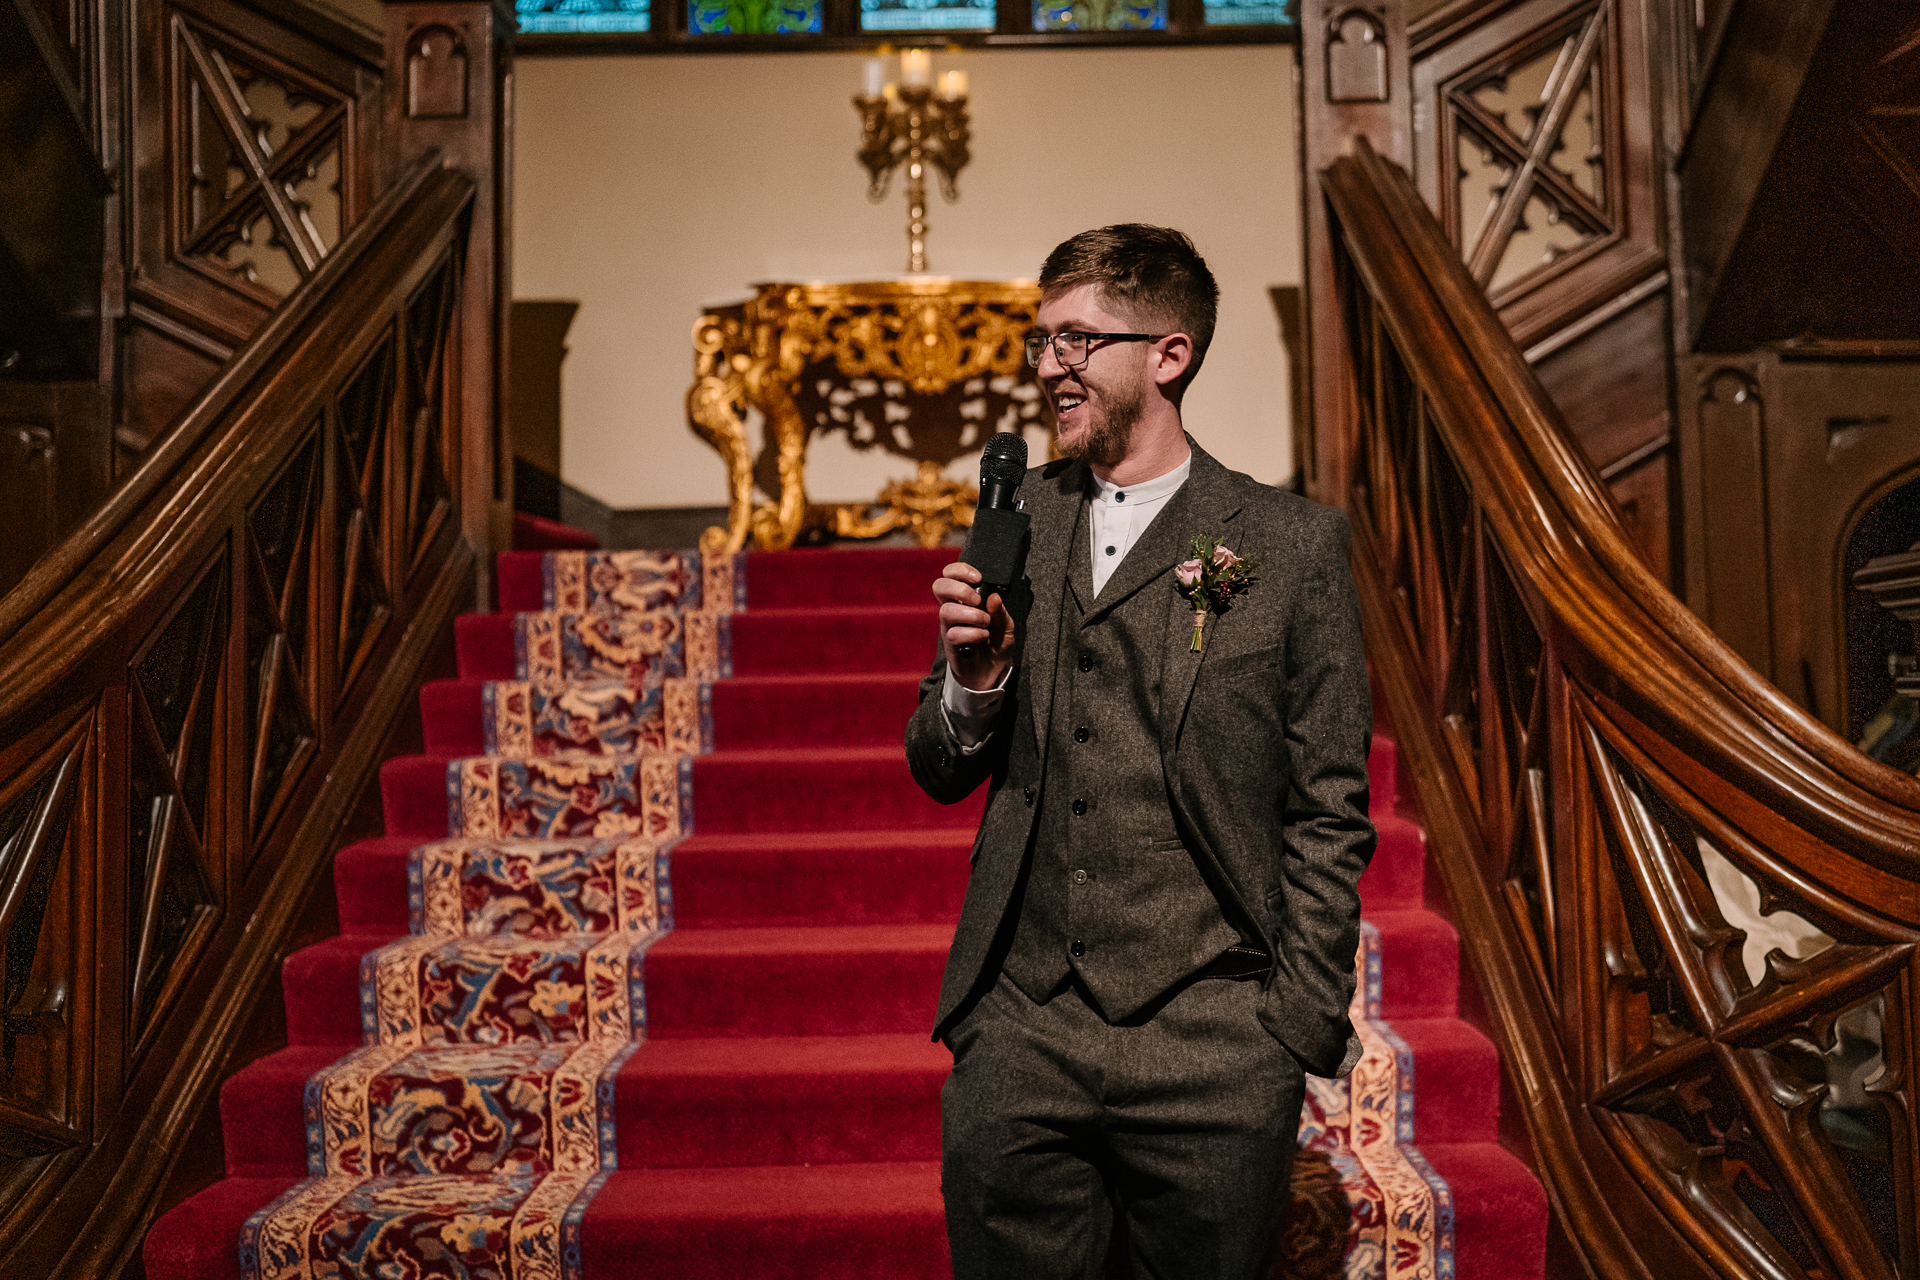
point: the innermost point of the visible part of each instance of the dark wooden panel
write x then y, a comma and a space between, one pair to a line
55, 466
539, 345
1641, 493
162, 375
1612, 383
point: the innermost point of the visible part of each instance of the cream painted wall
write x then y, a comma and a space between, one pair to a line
646, 186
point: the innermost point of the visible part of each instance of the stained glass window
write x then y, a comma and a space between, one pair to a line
1244, 13
751, 17
583, 15
1099, 15
926, 15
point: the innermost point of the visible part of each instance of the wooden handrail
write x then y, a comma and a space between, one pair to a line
196, 690
1599, 773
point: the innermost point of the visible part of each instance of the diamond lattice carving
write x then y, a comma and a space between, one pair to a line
363, 415
282, 526
172, 687
259, 179
1778, 1107
37, 956
1531, 183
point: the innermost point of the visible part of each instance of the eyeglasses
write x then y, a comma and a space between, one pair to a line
1070, 349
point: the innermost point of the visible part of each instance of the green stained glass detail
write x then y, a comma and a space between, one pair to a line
751, 17
583, 15
1099, 15
926, 15
1249, 13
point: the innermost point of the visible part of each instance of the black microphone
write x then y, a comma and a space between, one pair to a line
997, 546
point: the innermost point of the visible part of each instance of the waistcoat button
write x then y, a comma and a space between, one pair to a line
1086, 662
1078, 948
1079, 877
1079, 807
1028, 793
1080, 734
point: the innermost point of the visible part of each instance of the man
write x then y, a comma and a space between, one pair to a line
1160, 926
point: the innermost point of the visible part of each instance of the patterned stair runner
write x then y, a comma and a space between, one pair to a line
506, 1099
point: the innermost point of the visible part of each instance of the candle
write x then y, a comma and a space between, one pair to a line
875, 75
953, 84
916, 68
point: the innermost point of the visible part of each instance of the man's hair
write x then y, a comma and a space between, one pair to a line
1153, 275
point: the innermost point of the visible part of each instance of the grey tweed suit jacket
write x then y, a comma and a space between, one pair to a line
1263, 741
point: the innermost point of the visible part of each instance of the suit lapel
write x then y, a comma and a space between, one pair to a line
1057, 502
1211, 505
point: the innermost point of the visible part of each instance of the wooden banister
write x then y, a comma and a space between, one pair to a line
195, 693
1621, 810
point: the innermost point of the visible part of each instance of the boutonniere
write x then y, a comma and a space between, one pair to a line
1211, 578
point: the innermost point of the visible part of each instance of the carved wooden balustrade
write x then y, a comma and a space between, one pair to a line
1692, 910
195, 690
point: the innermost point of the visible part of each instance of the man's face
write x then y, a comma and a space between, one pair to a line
1097, 404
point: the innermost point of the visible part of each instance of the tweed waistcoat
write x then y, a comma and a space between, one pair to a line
1111, 892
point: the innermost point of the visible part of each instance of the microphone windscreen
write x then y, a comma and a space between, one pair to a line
1004, 460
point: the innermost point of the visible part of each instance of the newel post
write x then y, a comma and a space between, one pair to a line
450, 86
1354, 73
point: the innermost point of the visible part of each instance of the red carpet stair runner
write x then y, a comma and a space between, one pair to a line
639, 982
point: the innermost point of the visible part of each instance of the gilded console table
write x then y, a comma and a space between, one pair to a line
920, 366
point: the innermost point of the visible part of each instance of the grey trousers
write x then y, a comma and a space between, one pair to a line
1054, 1121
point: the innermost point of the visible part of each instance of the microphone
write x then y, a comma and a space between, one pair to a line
997, 545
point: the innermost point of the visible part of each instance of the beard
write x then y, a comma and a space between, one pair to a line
1110, 427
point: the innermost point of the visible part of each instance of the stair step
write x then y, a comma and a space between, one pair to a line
784, 982
823, 789
1499, 1211
821, 877
857, 710
808, 576
1420, 962
771, 1222
781, 1101
322, 983
820, 639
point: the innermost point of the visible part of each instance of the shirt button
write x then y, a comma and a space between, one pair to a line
1028, 793
1079, 807
1078, 948
1086, 662
1109, 550
1119, 497
1080, 734
1079, 877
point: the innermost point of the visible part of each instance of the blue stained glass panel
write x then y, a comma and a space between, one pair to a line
1100, 15
1247, 13
926, 15
583, 15
751, 17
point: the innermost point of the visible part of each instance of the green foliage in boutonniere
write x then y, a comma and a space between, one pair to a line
1211, 578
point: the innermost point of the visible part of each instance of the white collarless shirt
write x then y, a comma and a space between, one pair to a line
1117, 515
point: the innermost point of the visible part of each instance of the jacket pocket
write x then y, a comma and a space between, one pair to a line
1242, 665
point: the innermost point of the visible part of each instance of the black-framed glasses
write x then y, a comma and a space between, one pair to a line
1071, 349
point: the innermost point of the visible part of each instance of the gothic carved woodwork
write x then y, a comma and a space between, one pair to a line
1694, 912
436, 75
190, 706
254, 154
923, 368
1535, 150
1357, 58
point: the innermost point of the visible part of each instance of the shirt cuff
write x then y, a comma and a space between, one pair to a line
969, 712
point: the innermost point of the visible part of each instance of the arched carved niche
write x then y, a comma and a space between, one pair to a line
1880, 622
1734, 513
436, 75
1357, 57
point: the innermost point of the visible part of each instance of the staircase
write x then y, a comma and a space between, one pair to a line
641, 975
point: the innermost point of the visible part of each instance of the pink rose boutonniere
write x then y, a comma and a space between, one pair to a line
1210, 578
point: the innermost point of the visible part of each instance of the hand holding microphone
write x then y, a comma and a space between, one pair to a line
993, 563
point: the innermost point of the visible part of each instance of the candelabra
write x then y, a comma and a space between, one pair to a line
911, 126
